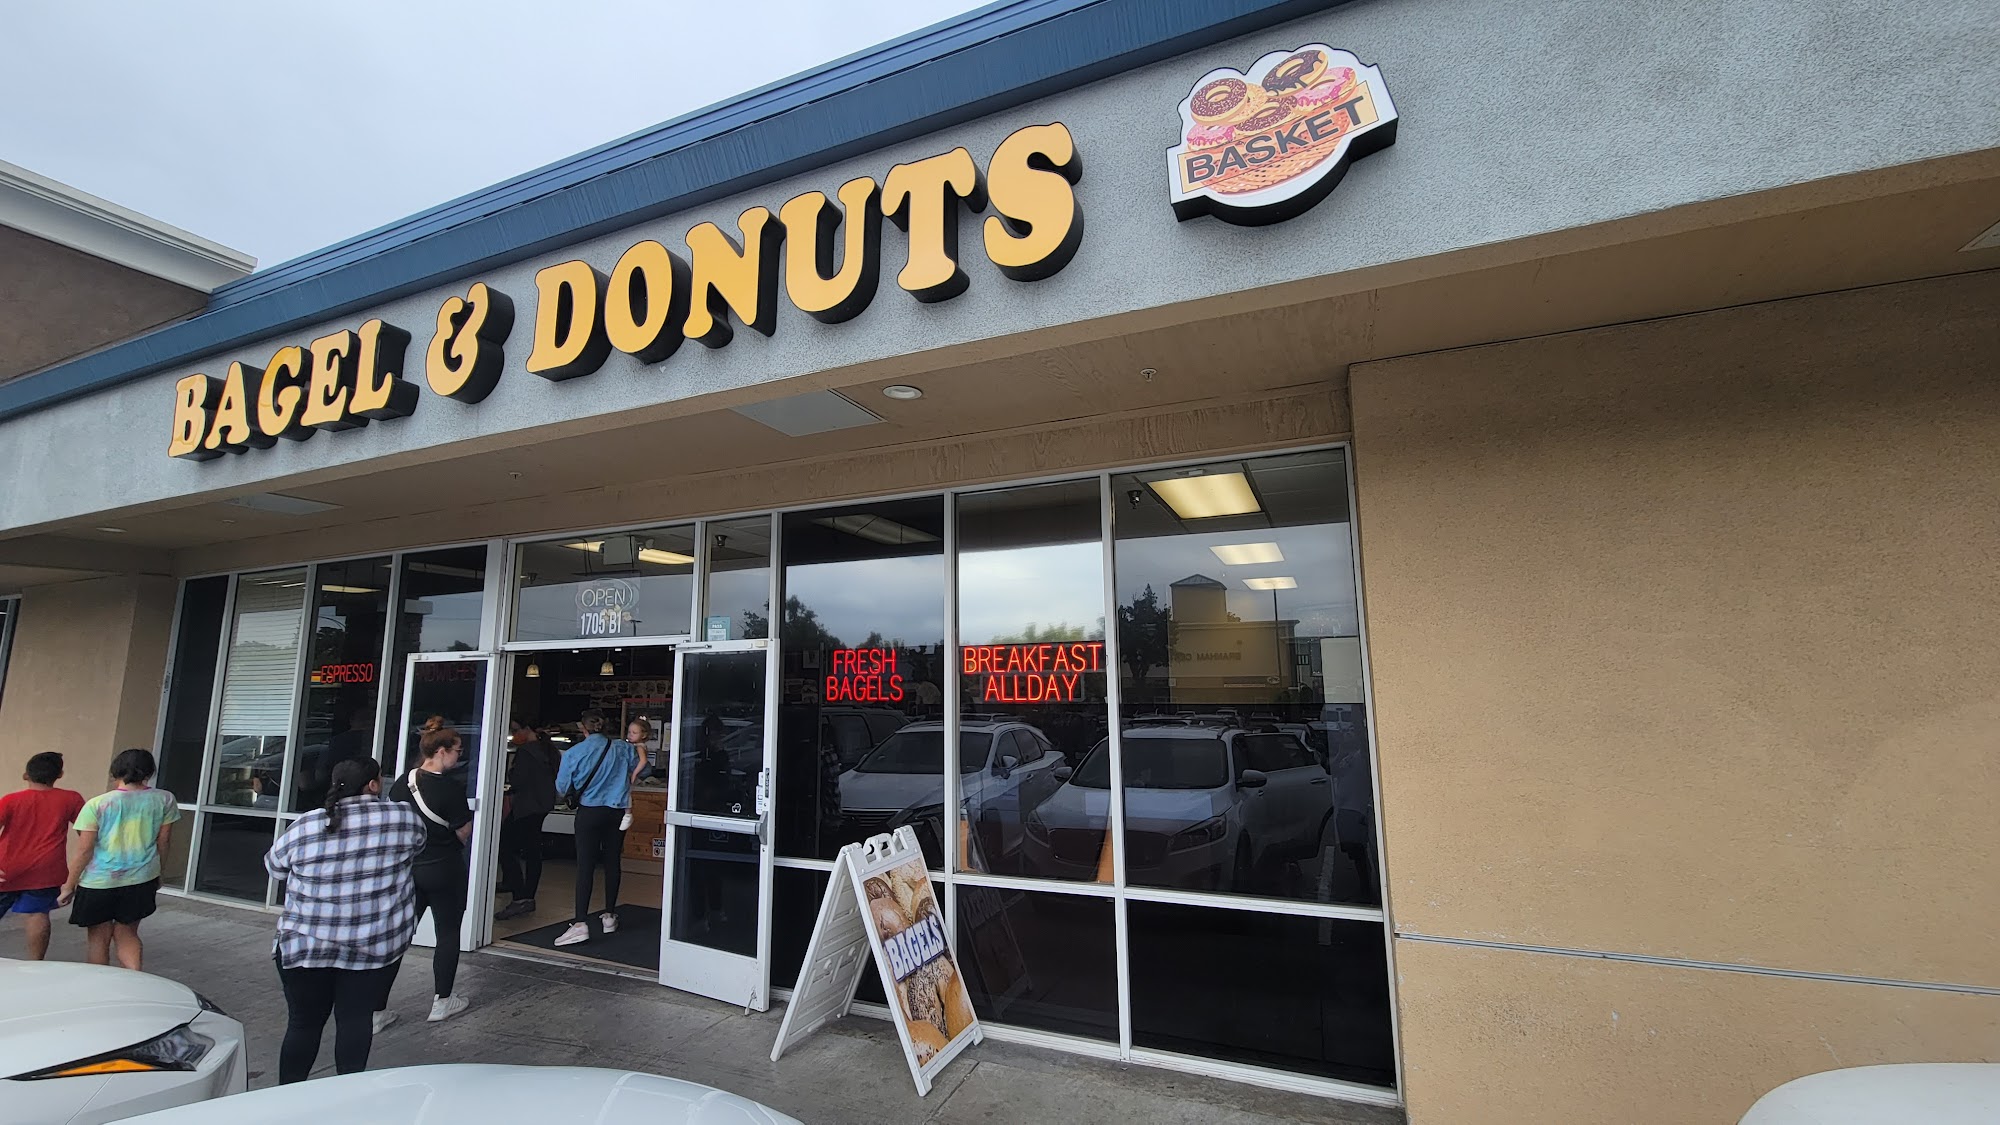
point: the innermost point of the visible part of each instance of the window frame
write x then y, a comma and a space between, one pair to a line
8, 623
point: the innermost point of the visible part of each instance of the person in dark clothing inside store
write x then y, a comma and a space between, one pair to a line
440, 872
596, 776
349, 914
531, 795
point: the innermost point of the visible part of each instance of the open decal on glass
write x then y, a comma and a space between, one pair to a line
880, 902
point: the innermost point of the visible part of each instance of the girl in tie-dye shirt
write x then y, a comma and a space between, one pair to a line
114, 863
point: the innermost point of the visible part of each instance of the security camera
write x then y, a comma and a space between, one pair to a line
1133, 496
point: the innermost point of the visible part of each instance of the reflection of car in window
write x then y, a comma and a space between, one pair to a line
1005, 770
1206, 806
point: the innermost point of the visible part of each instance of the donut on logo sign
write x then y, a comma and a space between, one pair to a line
1264, 145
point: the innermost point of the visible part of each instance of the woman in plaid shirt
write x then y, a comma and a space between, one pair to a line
350, 911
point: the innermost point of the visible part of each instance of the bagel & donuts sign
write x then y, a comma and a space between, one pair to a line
1266, 144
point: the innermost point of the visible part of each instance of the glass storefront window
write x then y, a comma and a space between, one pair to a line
590, 587
796, 894
343, 674
1040, 960
191, 691
257, 688
1032, 680
1309, 995
861, 723
232, 856
1244, 741
444, 597
1241, 730
738, 606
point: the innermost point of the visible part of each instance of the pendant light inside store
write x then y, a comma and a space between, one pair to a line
607, 669
534, 671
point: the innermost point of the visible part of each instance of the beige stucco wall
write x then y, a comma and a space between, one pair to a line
1504, 1036
1685, 639
85, 675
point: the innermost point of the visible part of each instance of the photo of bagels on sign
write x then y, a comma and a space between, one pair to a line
1263, 145
930, 995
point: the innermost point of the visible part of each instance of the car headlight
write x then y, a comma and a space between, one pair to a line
1208, 831
180, 1049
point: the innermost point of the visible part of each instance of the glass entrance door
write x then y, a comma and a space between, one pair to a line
717, 936
458, 688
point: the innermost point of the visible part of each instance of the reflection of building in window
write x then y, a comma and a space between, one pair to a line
1215, 656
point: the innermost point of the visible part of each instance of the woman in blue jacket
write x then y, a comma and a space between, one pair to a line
596, 776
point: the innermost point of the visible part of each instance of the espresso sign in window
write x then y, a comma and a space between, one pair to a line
350, 618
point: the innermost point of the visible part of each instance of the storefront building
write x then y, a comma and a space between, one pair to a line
1435, 555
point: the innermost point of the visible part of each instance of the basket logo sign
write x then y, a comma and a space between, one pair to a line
1266, 144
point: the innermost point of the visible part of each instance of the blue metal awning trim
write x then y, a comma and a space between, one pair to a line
983, 63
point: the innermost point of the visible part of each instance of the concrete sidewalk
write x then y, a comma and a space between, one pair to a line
528, 1012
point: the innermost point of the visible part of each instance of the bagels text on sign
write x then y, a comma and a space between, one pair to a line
1263, 145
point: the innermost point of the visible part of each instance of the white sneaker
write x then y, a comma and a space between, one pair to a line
609, 921
577, 934
383, 1020
445, 1007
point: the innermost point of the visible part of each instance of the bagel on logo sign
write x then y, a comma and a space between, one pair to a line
1264, 145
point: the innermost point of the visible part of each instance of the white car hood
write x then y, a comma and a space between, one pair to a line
1148, 810
889, 792
54, 1012
1931, 1093
457, 1093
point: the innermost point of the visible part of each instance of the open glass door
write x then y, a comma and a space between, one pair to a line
717, 938
459, 687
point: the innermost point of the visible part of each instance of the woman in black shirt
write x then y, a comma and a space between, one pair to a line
440, 868
531, 794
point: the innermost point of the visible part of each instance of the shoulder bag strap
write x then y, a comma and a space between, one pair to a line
576, 792
418, 792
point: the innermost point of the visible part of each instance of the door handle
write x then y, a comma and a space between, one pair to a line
741, 825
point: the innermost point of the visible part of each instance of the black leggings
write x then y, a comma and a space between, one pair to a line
440, 890
349, 996
521, 856
598, 843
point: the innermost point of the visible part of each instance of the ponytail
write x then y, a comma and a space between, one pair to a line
350, 779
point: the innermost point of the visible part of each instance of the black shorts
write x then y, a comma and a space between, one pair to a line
94, 907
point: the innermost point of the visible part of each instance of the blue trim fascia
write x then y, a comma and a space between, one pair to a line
983, 63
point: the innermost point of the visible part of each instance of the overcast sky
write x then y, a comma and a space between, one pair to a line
279, 128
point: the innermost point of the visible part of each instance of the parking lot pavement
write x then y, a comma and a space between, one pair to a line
529, 1012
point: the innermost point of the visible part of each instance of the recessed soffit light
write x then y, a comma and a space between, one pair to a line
902, 392
112, 530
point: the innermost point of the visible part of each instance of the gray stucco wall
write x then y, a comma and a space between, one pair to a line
1518, 119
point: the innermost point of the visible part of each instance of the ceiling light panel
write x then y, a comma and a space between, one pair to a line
1248, 554
1207, 496
1271, 583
